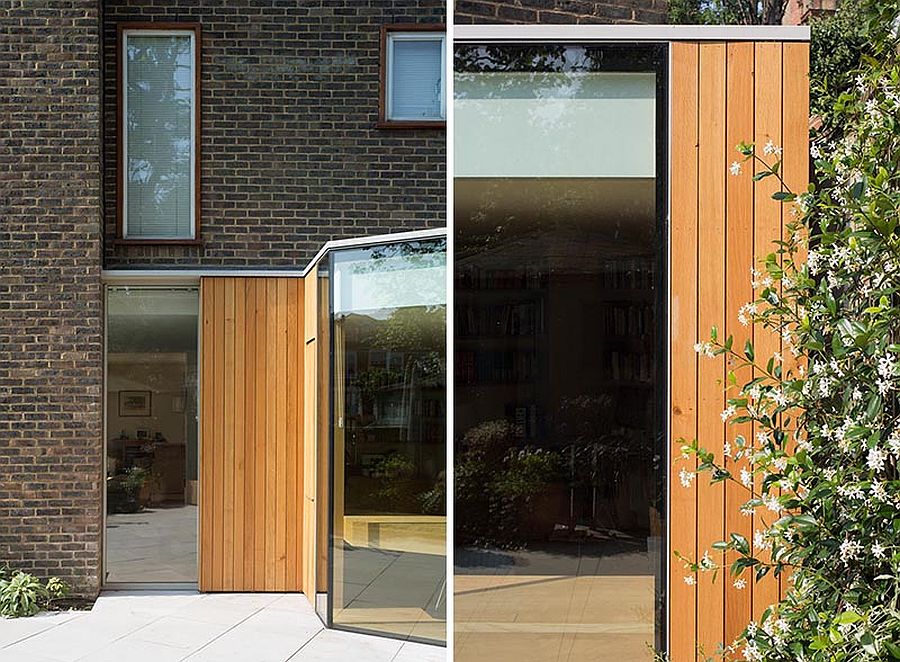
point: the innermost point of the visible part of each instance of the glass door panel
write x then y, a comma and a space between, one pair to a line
559, 512
151, 435
388, 529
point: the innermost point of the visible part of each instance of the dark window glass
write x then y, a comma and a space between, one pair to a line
559, 378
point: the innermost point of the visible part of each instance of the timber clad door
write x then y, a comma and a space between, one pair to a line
252, 441
721, 226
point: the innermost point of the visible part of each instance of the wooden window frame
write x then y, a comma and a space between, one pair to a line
383, 121
121, 29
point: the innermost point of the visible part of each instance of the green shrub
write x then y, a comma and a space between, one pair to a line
23, 594
821, 472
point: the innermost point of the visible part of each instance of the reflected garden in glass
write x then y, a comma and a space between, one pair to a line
388, 504
559, 363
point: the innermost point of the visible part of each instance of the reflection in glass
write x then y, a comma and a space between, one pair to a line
389, 439
151, 435
558, 481
159, 134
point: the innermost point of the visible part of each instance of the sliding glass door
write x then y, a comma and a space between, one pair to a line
151, 435
559, 379
388, 436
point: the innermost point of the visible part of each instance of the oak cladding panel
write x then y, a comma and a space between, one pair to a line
721, 227
252, 447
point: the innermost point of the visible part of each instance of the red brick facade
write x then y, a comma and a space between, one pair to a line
560, 11
291, 156
51, 352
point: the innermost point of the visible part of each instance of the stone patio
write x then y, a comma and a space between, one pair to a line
162, 626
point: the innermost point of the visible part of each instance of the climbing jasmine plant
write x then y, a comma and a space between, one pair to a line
821, 472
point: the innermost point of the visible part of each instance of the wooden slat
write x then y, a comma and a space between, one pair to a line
767, 228
294, 438
252, 455
711, 313
217, 446
228, 441
738, 291
249, 434
262, 431
240, 451
795, 164
271, 444
281, 440
684, 333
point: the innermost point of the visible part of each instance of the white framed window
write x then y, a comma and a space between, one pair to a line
158, 133
413, 85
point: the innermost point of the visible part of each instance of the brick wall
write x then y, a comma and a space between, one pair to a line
560, 11
290, 154
50, 294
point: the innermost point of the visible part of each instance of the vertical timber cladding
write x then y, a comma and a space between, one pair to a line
721, 226
253, 474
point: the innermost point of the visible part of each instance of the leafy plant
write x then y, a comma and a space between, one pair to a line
23, 594
822, 470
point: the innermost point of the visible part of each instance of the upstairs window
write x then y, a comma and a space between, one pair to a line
413, 88
158, 133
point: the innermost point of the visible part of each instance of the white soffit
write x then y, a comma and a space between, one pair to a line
629, 33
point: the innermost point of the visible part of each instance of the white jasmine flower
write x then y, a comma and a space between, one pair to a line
726, 449
740, 584
875, 459
690, 580
746, 478
751, 652
850, 550
727, 413
746, 510
771, 502
686, 477
878, 550
735, 168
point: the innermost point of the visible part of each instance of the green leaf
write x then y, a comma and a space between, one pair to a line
783, 196
867, 641
748, 350
848, 618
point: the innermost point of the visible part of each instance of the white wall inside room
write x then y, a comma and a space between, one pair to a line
161, 374
592, 124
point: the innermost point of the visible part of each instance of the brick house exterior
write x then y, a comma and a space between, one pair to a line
291, 158
290, 154
560, 11
51, 317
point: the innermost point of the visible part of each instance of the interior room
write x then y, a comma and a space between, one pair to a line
151, 447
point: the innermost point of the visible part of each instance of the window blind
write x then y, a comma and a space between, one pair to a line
416, 79
159, 100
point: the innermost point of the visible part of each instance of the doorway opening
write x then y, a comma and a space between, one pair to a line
151, 445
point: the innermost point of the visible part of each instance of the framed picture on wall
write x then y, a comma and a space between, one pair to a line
134, 403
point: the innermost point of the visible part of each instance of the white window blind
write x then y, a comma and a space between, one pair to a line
415, 76
158, 132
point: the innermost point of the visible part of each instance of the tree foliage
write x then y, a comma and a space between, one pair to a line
822, 470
